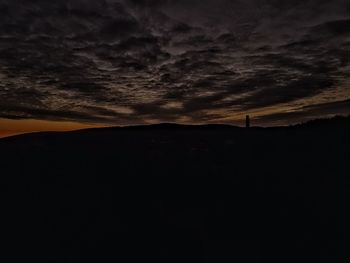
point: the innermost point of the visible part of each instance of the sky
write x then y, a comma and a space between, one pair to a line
69, 64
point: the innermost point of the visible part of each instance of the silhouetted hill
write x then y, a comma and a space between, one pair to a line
342, 122
330, 123
179, 192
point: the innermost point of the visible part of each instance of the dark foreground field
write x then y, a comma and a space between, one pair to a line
178, 193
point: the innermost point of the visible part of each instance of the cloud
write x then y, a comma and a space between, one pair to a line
206, 57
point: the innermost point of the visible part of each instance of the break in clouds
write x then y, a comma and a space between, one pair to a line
186, 61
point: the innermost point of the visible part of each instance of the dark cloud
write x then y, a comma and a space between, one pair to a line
128, 61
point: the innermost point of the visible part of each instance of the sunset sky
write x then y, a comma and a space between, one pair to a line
71, 64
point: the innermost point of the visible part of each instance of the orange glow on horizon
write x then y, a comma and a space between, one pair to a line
15, 127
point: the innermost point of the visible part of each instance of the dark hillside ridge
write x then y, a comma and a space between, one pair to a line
342, 122
330, 123
174, 192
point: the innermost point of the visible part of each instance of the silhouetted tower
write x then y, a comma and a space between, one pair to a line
247, 121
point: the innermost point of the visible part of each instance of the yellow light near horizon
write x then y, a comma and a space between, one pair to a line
14, 127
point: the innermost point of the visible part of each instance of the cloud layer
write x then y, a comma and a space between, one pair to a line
128, 62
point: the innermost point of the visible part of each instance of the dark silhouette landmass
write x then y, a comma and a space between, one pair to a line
179, 193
